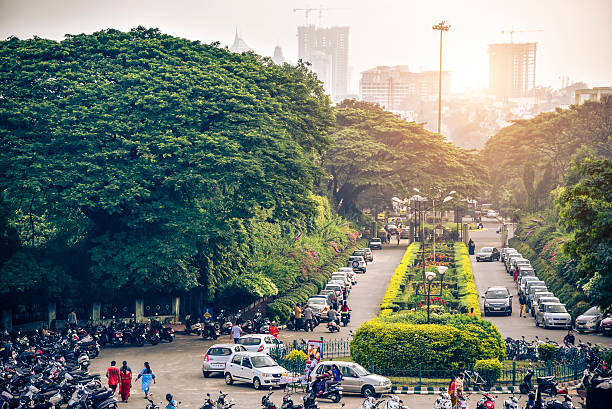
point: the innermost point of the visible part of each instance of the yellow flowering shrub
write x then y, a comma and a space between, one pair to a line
397, 279
465, 280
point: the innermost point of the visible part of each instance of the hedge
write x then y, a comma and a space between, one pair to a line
489, 369
547, 352
397, 278
280, 309
400, 345
467, 294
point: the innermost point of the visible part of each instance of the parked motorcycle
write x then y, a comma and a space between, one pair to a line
486, 402
443, 401
266, 402
511, 403
526, 385
192, 326
210, 330
333, 326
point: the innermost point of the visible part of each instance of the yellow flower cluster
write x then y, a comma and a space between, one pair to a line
397, 278
464, 267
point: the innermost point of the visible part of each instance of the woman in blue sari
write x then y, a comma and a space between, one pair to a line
147, 376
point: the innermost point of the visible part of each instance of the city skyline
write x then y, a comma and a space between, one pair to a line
382, 33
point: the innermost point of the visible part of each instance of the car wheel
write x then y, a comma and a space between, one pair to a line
206, 374
228, 379
335, 398
256, 383
367, 391
537, 323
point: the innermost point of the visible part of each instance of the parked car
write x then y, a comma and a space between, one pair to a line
264, 343
487, 254
532, 283
255, 368
361, 253
525, 271
338, 290
375, 243
553, 315
369, 256
339, 275
535, 289
536, 300
590, 320
491, 213
217, 356
319, 305
350, 272
510, 259
340, 281
606, 324
405, 233
518, 262
522, 283
497, 300
505, 251
357, 263
356, 378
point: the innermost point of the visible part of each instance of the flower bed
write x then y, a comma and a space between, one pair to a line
386, 306
465, 280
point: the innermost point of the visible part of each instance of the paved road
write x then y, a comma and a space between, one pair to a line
494, 274
178, 365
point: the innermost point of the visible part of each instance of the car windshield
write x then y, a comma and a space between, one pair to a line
555, 308
318, 300
486, 250
375, 241
249, 341
263, 361
592, 311
497, 294
360, 370
523, 262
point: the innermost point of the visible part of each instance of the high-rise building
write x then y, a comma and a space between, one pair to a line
239, 46
327, 50
278, 57
512, 69
397, 88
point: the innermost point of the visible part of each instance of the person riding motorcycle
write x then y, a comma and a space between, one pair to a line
332, 315
171, 402
345, 312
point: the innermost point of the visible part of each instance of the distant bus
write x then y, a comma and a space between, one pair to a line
381, 216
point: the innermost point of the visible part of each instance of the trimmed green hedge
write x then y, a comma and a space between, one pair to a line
280, 309
547, 352
489, 369
389, 343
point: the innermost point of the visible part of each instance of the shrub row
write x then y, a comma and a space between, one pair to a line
489, 369
402, 345
575, 300
280, 309
386, 306
468, 296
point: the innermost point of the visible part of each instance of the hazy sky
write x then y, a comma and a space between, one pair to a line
576, 39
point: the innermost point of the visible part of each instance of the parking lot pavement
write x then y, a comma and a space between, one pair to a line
178, 365
493, 274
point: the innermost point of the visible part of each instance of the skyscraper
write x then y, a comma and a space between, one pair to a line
327, 50
239, 46
512, 69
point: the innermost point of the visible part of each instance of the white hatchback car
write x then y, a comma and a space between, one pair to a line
255, 368
264, 343
217, 356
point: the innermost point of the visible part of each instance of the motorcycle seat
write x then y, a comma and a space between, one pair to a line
545, 379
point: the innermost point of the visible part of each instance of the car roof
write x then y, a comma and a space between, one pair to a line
552, 303
255, 335
497, 288
251, 353
375, 239
230, 346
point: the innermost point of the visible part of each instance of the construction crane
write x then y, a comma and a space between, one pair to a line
511, 32
320, 10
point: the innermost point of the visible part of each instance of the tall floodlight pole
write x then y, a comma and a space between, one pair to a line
440, 26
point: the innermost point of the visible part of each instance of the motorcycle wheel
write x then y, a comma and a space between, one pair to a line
335, 397
140, 343
215, 336
154, 341
170, 339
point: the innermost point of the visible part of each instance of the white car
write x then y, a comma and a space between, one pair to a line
256, 368
264, 343
491, 213
217, 356
319, 305
553, 315
351, 273
343, 277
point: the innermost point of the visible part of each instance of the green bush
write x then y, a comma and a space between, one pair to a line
489, 369
402, 345
547, 352
295, 355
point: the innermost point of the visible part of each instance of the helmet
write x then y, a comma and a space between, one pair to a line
169, 397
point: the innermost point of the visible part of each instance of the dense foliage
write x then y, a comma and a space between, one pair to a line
374, 155
136, 159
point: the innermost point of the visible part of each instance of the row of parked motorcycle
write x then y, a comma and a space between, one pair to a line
51, 367
210, 328
518, 349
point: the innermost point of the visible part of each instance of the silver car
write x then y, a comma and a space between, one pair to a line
217, 356
553, 315
522, 283
589, 320
536, 299
356, 379
504, 252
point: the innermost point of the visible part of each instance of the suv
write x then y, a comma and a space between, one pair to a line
553, 315
375, 243
361, 253
497, 300
357, 263
356, 379
319, 306
337, 288
217, 356
589, 320
264, 343
255, 368
487, 254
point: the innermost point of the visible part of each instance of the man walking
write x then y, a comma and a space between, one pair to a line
72, 320
112, 373
308, 318
236, 331
297, 313
522, 302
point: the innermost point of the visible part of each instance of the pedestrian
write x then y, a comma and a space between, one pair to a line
388, 238
459, 384
308, 318
471, 313
72, 320
516, 271
522, 304
297, 316
398, 239
112, 373
125, 381
273, 329
147, 376
452, 391
569, 338
236, 331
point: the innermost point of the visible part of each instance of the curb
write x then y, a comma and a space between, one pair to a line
403, 390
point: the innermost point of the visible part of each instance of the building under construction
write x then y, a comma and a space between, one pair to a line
512, 69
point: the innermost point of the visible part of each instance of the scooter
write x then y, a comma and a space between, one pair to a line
333, 326
486, 402
548, 385
333, 392
443, 401
511, 403
526, 385
192, 326
555, 404
266, 403
288, 403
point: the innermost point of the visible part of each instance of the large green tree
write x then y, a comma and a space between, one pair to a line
148, 153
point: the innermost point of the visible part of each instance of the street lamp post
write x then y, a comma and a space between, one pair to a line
441, 271
429, 276
440, 26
